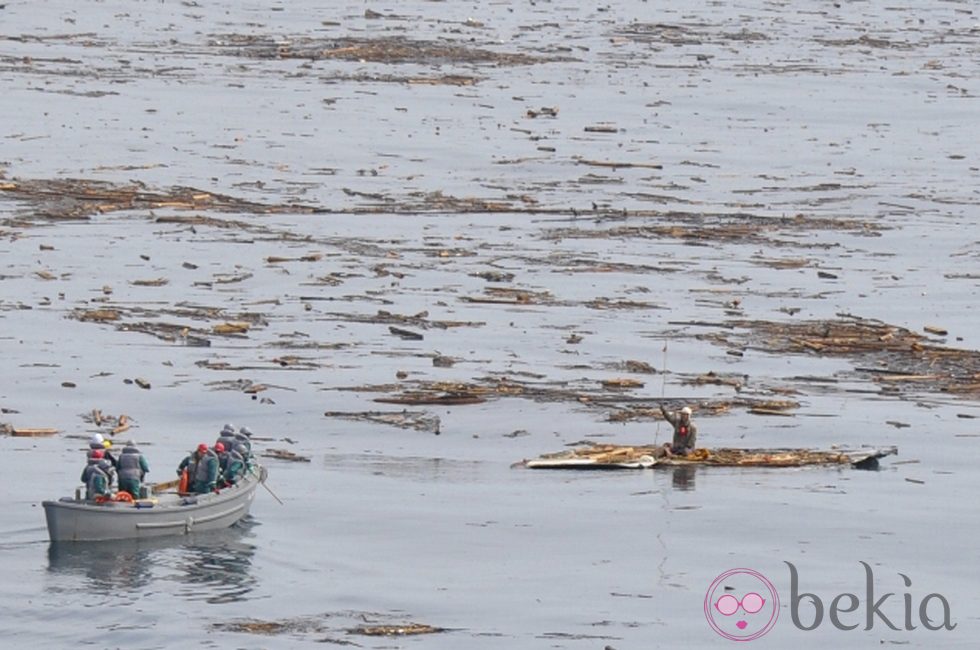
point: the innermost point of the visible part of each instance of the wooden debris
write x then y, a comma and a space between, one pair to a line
234, 327
617, 165
142, 383
158, 282
285, 454
73, 199
24, 432
123, 422
404, 419
314, 257
396, 630
622, 383
900, 358
598, 456
639, 367
97, 315
407, 335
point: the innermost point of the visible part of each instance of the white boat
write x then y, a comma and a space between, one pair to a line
160, 514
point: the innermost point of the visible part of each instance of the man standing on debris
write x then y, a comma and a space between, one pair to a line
685, 433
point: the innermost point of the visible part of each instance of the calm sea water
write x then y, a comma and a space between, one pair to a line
859, 112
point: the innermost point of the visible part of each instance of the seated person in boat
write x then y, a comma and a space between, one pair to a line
97, 459
94, 476
244, 440
685, 433
201, 466
226, 437
205, 476
132, 469
98, 442
231, 465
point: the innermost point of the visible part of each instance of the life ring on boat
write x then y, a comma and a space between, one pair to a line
124, 497
184, 480
102, 498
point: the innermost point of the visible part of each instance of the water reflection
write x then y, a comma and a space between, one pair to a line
683, 477
214, 567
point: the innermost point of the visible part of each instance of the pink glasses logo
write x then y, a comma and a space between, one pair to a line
741, 605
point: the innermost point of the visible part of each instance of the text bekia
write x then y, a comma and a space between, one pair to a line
884, 608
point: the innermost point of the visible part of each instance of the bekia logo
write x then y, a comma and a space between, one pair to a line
742, 605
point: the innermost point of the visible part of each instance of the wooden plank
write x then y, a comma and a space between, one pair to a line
32, 433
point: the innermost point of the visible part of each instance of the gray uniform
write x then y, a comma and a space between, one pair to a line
97, 482
228, 440
132, 469
685, 433
205, 475
245, 442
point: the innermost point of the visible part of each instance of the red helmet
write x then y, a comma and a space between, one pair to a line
202, 447
97, 454
219, 447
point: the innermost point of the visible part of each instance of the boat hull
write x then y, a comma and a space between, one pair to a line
71, 520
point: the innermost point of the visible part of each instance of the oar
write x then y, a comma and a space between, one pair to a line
262, 481
167, 485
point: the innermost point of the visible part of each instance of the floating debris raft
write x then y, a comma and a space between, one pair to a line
606, 456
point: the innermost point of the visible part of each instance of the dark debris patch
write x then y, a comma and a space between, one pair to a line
391, 50
73, 199
897, 359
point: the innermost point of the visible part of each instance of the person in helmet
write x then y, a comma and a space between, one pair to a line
132, 468
226, 437
94, 476
97, 441
205, 476
243, 443
685, 433
231, 465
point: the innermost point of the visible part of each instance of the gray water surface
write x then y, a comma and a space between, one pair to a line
847, 129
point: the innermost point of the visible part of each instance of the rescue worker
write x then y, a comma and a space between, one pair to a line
132, 469
244, 439
189, 463
685, 433
227, 437
231, 464
94, 476
103, 445
205, 476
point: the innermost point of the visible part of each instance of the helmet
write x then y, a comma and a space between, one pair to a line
245, 431
96, 439
97, 454
228, 428
202, 447
219, 447
686, 410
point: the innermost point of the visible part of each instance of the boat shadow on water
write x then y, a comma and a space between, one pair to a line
213, 566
